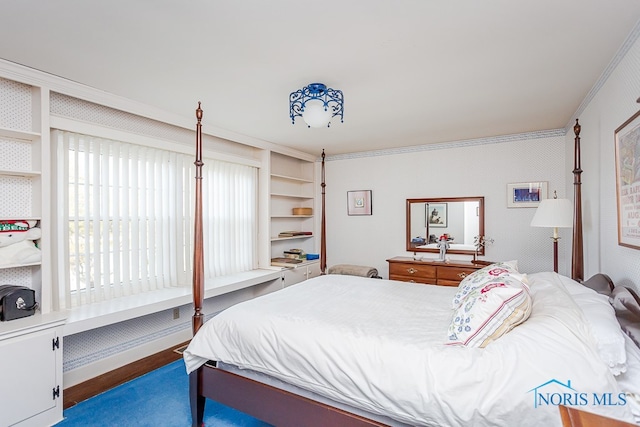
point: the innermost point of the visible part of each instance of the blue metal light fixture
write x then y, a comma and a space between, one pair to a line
316, 104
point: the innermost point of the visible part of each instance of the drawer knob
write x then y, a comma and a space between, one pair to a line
412, 270
462, 275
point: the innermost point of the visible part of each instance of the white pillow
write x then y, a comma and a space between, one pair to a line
490, 311
627, 312
629, 381
599, 316
605, 329
482, 276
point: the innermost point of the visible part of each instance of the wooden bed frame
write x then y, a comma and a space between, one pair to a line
273, 405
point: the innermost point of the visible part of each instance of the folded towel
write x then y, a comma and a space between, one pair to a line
354, 270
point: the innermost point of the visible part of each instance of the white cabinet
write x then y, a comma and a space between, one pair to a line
31, 371
301, 272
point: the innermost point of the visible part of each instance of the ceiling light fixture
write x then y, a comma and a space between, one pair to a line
316, 104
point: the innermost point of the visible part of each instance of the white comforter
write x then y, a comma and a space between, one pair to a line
379, 345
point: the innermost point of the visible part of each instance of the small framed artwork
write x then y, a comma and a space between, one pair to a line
526, 194
436, 214
627, 139
359, 202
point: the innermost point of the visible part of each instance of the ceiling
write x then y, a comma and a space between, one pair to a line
412, 72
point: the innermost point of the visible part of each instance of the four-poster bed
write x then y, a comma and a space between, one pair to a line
285, 397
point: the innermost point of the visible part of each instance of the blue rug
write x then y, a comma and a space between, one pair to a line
159, 399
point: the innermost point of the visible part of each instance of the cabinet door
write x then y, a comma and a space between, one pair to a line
301, 273
313, 270
28, 372
294, 275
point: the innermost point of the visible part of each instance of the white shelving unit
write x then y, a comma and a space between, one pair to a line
20, 172
31, 347
293, 185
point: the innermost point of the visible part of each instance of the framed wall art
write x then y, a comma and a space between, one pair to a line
436, 215
627, 140
526, 194
359, 202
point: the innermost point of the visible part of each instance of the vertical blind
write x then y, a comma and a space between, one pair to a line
125, 219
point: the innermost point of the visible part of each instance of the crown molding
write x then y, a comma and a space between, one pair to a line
453, 144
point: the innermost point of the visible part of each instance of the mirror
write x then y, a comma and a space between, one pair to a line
462, 218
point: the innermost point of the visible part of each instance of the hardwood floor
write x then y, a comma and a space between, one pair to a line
102, 383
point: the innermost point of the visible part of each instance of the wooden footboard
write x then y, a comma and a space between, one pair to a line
270, 404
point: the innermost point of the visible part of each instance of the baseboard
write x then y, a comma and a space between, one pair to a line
109, 380
105, 364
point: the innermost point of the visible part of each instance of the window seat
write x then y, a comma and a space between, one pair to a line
105, 313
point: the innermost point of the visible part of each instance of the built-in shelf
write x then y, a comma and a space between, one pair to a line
18, 134
31, 347
292, 186
291, 178
26, 174
21, 218
307, 236
32, 264
291, 196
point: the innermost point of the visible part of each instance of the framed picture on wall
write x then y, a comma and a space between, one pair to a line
436, 215
359, 202
526, 194
627, 140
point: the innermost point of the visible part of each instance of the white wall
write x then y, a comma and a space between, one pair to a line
473, 168
613, 103
485, 169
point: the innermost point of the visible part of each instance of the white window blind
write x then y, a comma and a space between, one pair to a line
125, 220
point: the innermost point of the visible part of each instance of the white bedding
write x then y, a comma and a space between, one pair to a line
379, 345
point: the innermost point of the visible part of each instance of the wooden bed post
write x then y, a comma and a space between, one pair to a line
323, 234
577, 258
198, 256
196, 398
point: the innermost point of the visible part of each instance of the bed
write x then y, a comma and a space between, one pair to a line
341, 350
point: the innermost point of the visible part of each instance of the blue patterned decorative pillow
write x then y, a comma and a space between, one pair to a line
490, 311
484, 275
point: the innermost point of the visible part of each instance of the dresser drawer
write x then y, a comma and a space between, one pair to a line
430, 272
412, 272
452, 276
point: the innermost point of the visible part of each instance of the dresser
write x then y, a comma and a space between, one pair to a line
431, 272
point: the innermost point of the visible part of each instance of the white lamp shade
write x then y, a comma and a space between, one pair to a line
556, 213
315, 115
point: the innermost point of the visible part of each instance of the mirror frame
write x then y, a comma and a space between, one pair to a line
480, 201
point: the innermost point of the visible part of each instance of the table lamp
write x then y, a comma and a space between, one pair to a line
554, 213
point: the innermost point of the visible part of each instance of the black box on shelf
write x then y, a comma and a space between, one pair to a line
16, 302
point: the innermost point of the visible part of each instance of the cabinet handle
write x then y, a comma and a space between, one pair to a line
462, 275
412, 270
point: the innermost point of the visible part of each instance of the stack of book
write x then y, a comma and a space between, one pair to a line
285, 262
294, 233
295, 254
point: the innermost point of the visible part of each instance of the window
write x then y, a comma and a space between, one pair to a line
125, 218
